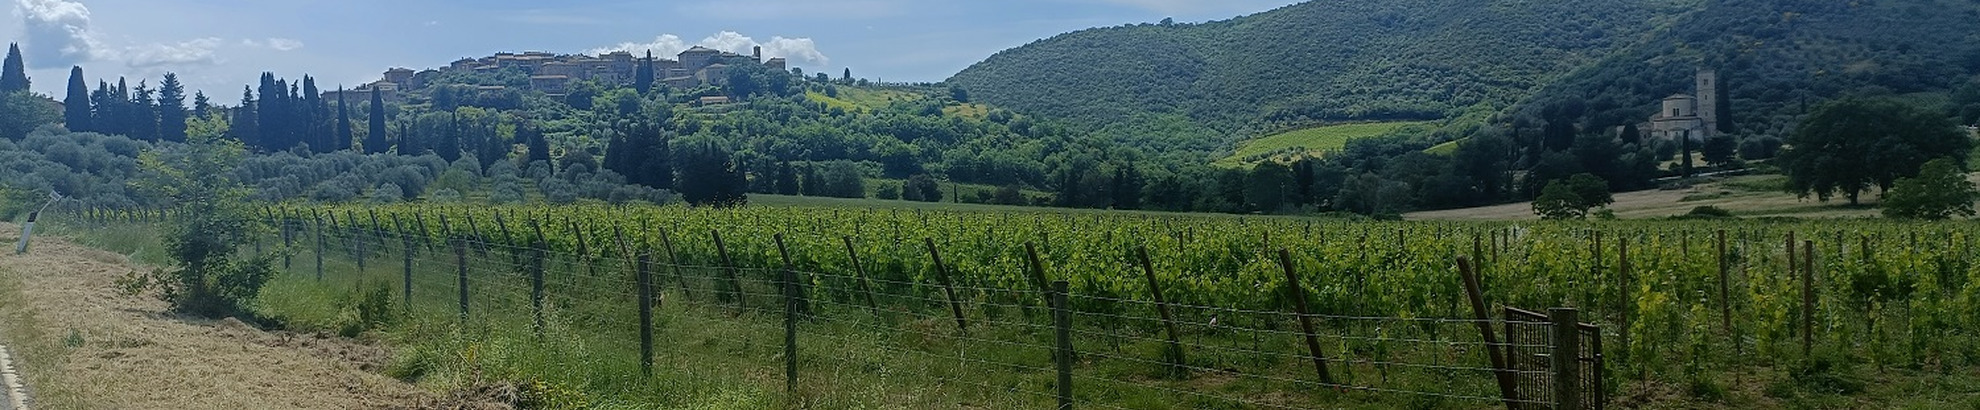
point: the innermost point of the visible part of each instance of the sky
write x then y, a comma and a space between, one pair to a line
221, 45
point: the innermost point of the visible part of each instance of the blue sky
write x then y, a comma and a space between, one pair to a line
221, 45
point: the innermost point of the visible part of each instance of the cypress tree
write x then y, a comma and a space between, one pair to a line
374, 142
313, 117
643, 77
539, 148
247, 126
75, 107
268, 110
13, 77
343, 123
202, 107
144, 112
172, 109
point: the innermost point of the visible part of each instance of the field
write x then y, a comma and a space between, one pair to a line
1314, 140
877, 322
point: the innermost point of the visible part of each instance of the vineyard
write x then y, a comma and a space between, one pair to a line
839, 308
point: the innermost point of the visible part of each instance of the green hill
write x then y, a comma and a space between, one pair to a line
1325, 60
1778, 57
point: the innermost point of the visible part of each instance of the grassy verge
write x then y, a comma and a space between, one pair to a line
37, 355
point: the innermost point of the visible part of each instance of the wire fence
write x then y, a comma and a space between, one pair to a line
999, 340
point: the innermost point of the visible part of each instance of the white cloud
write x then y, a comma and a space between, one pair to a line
190, 52
275, 43
800, 9
58, 33
798, 51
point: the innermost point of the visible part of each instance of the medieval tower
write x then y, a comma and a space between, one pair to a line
1708, 100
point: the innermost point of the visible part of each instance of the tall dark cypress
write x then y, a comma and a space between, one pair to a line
374, 142
247, 120
343, 123
314, 118
449, 145
268, 111
104, 109
144, 112
172, 109
643, 77
539, 148
202, 107
13, 77
75, 107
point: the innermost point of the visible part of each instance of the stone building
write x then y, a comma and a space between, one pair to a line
1695, 117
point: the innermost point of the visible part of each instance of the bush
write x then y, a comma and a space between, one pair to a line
387, 193
207, 277
1708, 212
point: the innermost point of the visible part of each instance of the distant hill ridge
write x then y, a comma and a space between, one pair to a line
1601, 62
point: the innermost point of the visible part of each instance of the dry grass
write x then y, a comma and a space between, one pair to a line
84, 344
1733, 194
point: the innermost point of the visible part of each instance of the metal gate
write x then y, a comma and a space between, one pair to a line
1528, 345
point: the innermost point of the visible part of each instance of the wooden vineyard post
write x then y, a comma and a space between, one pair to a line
1807, 298
948, 288
1566, 355
425, 238
1500, 371
680, 278
288, 240
859, 272
1790, 255
538, 251
584, 249
1305, 320
461, 261
1038, 271
1062, 333
357, 239
1628, 302
644, 280
729, 267
406, 240
1725, 295
790, 291
319, 244
1174, 354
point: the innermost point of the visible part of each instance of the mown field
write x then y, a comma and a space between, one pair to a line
1315, 140
881, 324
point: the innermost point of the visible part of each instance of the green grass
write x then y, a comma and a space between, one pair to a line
853, 99
1313, 141
1445, 149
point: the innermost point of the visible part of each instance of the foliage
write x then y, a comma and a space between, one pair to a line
1308, 62
208, 277
1571, 198
21, 112
1852, 144
1940, 191
13, 73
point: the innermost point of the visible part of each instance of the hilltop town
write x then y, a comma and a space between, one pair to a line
553, 73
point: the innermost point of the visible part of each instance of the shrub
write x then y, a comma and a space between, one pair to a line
207, 278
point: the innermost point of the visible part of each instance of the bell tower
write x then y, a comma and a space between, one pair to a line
1708, 100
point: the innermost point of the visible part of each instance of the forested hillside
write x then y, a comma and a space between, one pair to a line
1778, 58
1198, 85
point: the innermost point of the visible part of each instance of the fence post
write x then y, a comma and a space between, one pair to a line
948, 288
1807, 298
319, 243
1628, 302
1725, 296
406, 240
288, 240
538, 251
460, 259
1497, 353
729, 267
860, 271
1566, 355
645, 282
26, 230
790, 287
680, 278
1175, 352
1305, 321
1062, 331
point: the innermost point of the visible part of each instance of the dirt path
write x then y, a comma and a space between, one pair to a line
81, 343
